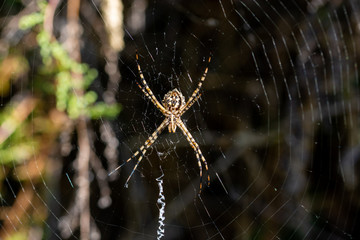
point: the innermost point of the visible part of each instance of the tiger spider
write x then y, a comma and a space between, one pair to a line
173, 107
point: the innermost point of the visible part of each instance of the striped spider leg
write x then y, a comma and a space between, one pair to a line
173, 106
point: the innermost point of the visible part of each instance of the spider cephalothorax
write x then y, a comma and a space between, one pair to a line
172, 107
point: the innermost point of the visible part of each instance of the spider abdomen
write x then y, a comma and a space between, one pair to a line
173, 101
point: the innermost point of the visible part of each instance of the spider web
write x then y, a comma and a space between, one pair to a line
277, 122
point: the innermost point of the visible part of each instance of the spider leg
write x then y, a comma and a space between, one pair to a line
146, 89
143, 149
191, 101
197, 150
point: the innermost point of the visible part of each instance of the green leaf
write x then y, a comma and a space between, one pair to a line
90, 97
31, 20
102, 109
20, 235
63, 89
75, 106
17, 153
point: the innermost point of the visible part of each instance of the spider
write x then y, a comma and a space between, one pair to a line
173, 106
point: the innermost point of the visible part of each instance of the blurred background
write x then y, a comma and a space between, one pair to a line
277, 120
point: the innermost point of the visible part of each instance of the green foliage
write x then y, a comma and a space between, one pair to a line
17, 140
33, 19
17, 153
72, 78
103, 110
38, 104
22, 235
30, 21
